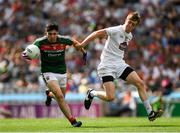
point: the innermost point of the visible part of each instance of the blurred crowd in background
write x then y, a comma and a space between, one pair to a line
154, 52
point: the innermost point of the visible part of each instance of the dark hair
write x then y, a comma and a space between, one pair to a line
52, 26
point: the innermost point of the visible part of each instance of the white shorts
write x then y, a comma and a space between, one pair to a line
114, 70
61, 78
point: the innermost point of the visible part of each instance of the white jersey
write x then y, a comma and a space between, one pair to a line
112, 63
115, 45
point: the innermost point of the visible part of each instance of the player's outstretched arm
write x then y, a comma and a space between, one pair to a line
94, 35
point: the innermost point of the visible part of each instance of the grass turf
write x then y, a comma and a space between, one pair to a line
104, 124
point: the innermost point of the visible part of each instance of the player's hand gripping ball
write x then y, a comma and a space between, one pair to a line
31, 51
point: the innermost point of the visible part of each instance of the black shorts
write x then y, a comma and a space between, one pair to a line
126, 72
107, 79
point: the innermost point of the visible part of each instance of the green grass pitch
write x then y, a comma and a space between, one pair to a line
96, 125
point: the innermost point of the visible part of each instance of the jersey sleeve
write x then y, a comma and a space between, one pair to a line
37, 43
66, 40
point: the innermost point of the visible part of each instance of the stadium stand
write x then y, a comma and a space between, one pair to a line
154, 53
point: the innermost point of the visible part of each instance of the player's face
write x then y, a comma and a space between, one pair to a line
52, 36
130, 25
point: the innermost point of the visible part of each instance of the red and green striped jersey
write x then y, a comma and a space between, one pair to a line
53, 54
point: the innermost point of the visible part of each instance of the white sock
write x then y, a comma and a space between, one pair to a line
147, 106
93, 93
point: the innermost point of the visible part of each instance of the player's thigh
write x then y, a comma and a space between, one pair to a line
109, 87
133, 78
107, 75
53, 85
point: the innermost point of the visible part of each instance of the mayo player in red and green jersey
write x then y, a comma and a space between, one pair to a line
53, 67
53, 53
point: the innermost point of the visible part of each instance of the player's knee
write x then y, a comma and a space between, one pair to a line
110, 98
60, 97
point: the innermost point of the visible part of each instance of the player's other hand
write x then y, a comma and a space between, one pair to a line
78, 46
25, 56
84, 58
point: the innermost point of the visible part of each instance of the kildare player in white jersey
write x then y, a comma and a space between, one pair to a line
112, 65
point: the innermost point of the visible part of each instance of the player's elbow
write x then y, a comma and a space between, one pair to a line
99, 33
